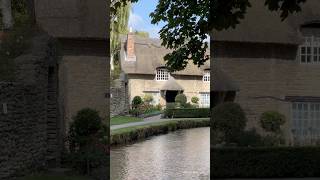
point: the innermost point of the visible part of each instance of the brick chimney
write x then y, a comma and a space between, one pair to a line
130, 47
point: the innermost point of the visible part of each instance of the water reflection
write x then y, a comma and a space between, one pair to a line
179, 155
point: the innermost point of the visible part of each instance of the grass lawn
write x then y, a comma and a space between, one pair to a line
52, 177
124, 119
170, 121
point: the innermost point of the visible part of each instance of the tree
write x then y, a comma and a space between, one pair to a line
188, 23
119, 25
7, 16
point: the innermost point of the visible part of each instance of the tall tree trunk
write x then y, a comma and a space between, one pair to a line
6, 10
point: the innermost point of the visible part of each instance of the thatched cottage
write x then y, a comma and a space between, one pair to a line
142, 62
276, 65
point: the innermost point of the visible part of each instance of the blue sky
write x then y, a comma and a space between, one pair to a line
140, 20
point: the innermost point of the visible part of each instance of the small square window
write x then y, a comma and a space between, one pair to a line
162, 74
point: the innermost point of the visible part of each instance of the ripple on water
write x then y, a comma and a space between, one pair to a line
183, 155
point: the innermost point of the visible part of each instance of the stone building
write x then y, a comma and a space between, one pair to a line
143, 64
276, 65
79, 79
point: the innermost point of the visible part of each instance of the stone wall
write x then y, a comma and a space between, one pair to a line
23, 113
119, 101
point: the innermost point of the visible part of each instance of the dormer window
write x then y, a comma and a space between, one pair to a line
206, 76
162, 74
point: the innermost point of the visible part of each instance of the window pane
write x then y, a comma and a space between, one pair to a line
308, 59
308, 50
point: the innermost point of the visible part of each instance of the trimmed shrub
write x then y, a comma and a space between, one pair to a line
195, 100
267, 162
136, 101
249, 138
88, 143
147, 131
181, 99
271, 121
229, 119
187, 112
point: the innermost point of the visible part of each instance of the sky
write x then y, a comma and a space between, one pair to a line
140, 20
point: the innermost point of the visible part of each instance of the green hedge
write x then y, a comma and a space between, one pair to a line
187, 113
265, 162
137, 133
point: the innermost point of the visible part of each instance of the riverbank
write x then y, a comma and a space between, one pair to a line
132, 134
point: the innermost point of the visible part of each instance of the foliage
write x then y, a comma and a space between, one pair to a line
266, 162
88, 141
271, 121
131, 134
187, 112
118, 25
137, 100
249, 138
159, 107
195, 100
273, 140
229, 119
148, 98
181, 99
188, 22
135, 111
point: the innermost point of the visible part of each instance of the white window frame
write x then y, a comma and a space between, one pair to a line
205, 99
155, 95
206, 76
306, 120
309, 51
162, 74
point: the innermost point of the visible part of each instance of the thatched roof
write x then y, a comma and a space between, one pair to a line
222, 82
262, 25
149, 56
172, 85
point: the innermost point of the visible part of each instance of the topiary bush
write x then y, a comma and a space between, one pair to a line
136, 101
195, 100
229, 119
271, 121
181, 99
88, 141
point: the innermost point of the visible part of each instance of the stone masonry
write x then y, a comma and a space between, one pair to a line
24, 114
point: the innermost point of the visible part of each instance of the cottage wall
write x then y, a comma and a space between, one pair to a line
192, 85
83, 84
265, 82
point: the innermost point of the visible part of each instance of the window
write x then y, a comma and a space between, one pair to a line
162, 74
205, 99
206, 76
155, 97
306, 120
310, 50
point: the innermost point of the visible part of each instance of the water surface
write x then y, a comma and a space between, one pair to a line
181, 155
